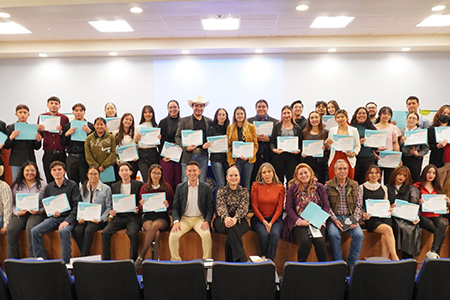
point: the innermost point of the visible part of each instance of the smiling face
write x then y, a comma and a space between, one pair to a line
261, 109
298, 110
198, 109
341, 119
267, 175
412, 105
341, 170
239, 115
58, 172
385, 116
314, 119
304, 175
127, 122
412, 120
100, 127
221, 117
286, 114
374, 175
173, 109
110, 110
372, 108
361, 116
321, 109
148, 115
431, 174
93, 176
233, 177
331, 109
125, 172
192, 172
29, 173
155, 176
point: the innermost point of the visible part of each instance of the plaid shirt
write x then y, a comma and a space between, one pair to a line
342, 209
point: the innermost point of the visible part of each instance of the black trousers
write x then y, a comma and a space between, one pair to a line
234, 249
305, 242
386, 173
362, 166
50, 157
15, 227
320, 167
84, 235
147, 157
284, 165
76, 167
437, 226
132, 223
414, 165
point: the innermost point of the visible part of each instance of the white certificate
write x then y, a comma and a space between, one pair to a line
27, 201
56, 204
389, 159
442, 133
405, 210
287, 143
191, 137
313, 148
434, 203
375, 138
416, 137
171, 151
219, 144
89, 212
127, 153
154, 202
112, 123
263, 128
378, 208
329, 122
242, 149
50, 122
343, 143
149, 136
124, 203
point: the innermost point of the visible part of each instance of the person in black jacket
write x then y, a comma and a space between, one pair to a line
440, 152
129, 220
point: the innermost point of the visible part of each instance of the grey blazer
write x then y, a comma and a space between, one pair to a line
205, 201
188, 123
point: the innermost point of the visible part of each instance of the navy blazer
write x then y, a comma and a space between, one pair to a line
205, 201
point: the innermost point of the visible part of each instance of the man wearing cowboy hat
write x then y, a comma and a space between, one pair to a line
196, 121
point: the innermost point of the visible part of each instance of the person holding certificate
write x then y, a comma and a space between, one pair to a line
110, 110
440, 149
332, 107
219, 163
169, 125
429, 184
241, 130
21, 150
100, 147
372, 189
315, 131
408, 234
412, 155
383, 123
303, 189
129, 220
93, 191
284, 161
366, 156
267, 203
125, 136
28, 181
232, 208
343, 128
148, 154
154, 222
5, 206
62, 221
77, 166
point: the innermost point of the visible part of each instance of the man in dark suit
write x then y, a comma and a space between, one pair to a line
129, 220
193, 208
264, 153
196, 121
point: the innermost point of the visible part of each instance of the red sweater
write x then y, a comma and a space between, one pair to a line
267, 200
169, 195
425, 191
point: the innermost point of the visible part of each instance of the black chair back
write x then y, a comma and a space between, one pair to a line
432, 282
165, 280
393, 280
243, 281
39, 280
4, 289
97, 280
307, 281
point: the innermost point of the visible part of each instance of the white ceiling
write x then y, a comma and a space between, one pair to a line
60, 27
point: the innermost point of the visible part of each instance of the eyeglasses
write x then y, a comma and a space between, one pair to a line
156, 173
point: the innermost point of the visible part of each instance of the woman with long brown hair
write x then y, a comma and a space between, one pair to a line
125, 135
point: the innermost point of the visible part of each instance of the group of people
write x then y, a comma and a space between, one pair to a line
269, 181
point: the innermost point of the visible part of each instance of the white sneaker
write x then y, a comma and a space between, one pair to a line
432, 254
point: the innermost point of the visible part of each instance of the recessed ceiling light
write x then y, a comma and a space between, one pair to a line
43, 55
302, 7
332, 50
331, 22
185, 52
136, 10
111, 26
438, 8
221, 24
113, 53
435, 21
406, 49
12, 28
4, 15
259, 51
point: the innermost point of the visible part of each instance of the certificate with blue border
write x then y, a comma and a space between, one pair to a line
58, 203
313, 148
219, 144
343, 142
154, 202
27, 131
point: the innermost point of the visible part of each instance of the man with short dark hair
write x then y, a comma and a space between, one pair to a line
53, 149
77, 165
297, 107
372, 108
412, 104
62, 221
193, 208
321, 107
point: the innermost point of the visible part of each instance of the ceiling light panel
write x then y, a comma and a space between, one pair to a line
111, 26
331, 22
221, 24
12, 28
435, 21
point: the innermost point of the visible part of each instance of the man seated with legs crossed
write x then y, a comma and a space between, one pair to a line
193, 208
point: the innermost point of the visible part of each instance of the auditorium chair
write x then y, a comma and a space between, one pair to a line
432, 282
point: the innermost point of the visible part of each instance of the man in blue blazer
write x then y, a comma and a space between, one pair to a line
193, 208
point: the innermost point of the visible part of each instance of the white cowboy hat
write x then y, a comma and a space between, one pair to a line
198, 99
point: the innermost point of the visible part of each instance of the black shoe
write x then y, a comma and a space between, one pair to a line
138, 262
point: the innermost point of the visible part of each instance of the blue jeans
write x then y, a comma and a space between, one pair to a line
1, 221
268, 242
334, 236
202, 159
51, 224
218, 170
245, 168
15, 172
